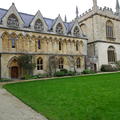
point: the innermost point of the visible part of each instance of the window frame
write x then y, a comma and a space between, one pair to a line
61, 63
39, 63
39, 26
12, 21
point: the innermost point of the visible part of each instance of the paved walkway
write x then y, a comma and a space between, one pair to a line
13, 109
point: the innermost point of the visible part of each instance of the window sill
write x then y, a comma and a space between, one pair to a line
111, 38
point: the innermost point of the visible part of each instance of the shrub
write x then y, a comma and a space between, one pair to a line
64, 70
71, 73
59, 74
5, 80
87, 71
108, 68
118, 65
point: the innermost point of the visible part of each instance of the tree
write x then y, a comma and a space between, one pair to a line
26, 63
72, 61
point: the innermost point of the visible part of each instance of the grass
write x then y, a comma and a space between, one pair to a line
77, 98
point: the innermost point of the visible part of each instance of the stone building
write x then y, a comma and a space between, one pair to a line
47, 40
101, 26
90, 40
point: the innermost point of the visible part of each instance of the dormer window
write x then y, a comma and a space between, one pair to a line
39, 25
59, 28
12, 21
76, 31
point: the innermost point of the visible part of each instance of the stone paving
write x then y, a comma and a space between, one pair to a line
13, 109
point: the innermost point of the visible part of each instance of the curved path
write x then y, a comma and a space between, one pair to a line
13, 109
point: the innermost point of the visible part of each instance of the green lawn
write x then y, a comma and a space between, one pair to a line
79, 98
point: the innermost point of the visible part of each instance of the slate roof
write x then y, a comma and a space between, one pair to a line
27, 18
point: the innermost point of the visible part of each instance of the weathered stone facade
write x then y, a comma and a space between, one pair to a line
90, 40
21, 38
94, 25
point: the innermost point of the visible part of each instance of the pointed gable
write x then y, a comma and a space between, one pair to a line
12, 11
39, 17
59, 21
74, 26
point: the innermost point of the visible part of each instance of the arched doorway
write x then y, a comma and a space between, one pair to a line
14, 72
14, 69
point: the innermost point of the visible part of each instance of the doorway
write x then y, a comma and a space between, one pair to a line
14, 72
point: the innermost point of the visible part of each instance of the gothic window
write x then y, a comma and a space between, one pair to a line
78, 63
13, 43
61, 63
109, 29
59, 28
111, 54
39, 25
40, 64
76, 31
12, 21
60, 45
77, 48
39, 44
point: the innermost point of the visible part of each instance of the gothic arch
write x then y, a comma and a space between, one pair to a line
5, 34
12, 21
111, 54
59, 28
39, 26
14, 68
109, 29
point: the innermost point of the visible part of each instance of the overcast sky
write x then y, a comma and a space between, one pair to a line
51, 8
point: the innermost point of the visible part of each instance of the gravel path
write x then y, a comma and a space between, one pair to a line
13, 109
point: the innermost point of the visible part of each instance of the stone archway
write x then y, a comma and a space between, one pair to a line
14, 68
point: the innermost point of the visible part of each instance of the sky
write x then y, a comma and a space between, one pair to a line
51, 8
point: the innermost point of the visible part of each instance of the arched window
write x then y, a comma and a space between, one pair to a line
78, 63
111, 54
77, 44
60, 45
76, 31
61, 63
59, 28
39, 25
40, 64
12, 21
39, 44
109, 29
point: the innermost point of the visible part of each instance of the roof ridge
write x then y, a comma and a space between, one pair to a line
3, 9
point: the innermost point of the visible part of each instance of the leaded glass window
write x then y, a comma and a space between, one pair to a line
40, 64
39, 44
39, 25
59, 28
109, 29
111, 54
61, 63
76, 31
12, 21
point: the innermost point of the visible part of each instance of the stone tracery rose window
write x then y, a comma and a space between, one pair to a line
76, 31
39, 25
59, 28
12, 21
